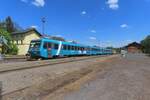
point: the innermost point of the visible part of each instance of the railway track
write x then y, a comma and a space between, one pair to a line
37, 64
9, 59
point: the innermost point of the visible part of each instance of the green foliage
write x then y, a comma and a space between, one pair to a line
13, 49
10, 48
4, 33
146, 45
9, 25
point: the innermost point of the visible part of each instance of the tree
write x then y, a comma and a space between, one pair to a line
146, 45
2, 25
10, 48
10, 25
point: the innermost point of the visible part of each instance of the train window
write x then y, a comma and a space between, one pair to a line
76, 48
86, 49
49, 45
35, 44
80, 48
56, 46
45, 45
69, 47
64, 47
72, 47
83, 48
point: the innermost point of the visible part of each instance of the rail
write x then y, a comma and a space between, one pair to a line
37, 64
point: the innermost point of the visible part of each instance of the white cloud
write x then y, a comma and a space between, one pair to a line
83, 13
93, 31
103, 8
34, 26
39, 3
129, 41
113, 4
58, 35
124, 26
92, 38
25, 1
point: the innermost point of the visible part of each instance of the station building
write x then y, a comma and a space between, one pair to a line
134, 48
23, 39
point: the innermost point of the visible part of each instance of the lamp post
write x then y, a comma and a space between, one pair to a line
43, 25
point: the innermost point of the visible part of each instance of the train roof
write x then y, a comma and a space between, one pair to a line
70, 43
64, 42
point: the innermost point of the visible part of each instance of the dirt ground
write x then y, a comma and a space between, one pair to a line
36, 84
121, 79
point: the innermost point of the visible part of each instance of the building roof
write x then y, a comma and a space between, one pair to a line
134, 44
26, 31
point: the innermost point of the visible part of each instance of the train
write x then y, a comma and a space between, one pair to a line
45, 48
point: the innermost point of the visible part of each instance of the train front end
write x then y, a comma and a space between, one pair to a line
34, 51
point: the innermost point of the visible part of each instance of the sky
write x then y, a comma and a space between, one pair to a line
91, 22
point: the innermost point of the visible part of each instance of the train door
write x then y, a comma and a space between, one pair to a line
47, 48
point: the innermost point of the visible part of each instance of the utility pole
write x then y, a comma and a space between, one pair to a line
43, 25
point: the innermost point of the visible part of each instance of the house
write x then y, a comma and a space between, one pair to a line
23, 39
134, 48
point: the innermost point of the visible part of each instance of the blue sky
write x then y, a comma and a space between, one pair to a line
93, 22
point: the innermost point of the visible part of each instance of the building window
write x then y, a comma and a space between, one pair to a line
17, 42
22, 42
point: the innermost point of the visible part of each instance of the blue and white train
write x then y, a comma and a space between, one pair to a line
47, 48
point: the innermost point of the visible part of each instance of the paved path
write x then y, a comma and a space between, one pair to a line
124, 79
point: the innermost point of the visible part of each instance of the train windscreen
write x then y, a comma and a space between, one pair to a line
35, 44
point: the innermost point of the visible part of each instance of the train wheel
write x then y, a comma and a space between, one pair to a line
39, 59
28, 57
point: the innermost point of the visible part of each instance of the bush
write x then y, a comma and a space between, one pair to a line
146, 45
13, 50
